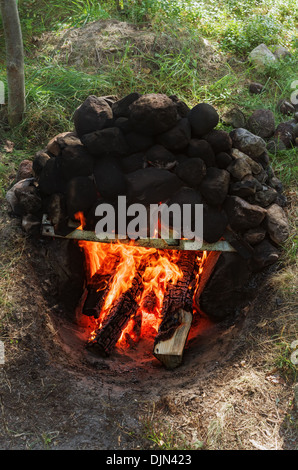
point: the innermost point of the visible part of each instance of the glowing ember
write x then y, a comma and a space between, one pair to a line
160, 269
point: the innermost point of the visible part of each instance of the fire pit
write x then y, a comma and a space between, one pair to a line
154, 150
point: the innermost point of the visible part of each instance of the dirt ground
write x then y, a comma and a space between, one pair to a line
56, 395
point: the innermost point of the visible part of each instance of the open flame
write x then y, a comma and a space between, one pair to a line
159, 270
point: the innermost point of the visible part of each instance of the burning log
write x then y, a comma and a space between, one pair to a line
116, 320
177, 313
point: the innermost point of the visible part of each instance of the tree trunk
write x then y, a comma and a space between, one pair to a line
14, 61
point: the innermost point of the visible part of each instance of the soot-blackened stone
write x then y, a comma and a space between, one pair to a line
176, 138
185, 196
242, 215
152, 185
56, 209
50, 179
265, 254
159, 156
124, 124
228, 281
39, 162
80, 195
29, 201
182, 107
203, 118
215, 222
121, 108
138, 142
133, 162
94, 114
75, 161
191, 171
109, 178
223, 160
244, 189
215, 186
220, 141
153, 114
106, 142
199, 148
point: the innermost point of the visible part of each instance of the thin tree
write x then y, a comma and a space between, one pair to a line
14, 61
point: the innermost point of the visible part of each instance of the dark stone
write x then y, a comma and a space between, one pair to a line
124, 124
152, 185
256, 88
53, 147
25, 170
284, 132
109, 179
176, 138
31, 224
191, 172
244, 189
51, 180
138, 142
223, 160
56, 209
199, 148
182, 107
29, 201
265, 254
39, 162
215, 186
121, 108
248, 143
262, 123
215, 222
203, 118
186, 196
133, 162
80, 195
239, 168
254, 236
159, 156
220, 141
153, 114
106, 142
94, 114
75, 161
242, 215
225, 290
69, 139
285, 107
235, 118
277, 224
265, 197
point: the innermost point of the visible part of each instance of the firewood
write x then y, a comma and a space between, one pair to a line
169, 345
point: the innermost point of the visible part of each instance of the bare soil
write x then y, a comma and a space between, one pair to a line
56, 395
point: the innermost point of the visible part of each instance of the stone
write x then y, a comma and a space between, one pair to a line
109, 179
281, 52
215, 222
53, 148
133, 162
75, 161
29, 201
56, 209
265, 254
25, 170
92, 115
277, 224
265, 197
199, 148
276, 184
11, 197
285, 107
261, 56
191, 172
203, 118
138, 142
242, 215
235, 118
176, 138
124, 124
248, 143
228, 280
121, 108
182, 107
219, 140
159, 156
108, 142
239, 168
215, 186
185, 196
80, 195
284, 132
153, 114
254, 236
152, 185
275, 145
31, 224
39, 162
256, 88
223, 160
50, 180
244, 189
262, 123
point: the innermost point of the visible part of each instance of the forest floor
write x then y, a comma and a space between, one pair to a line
235, 388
